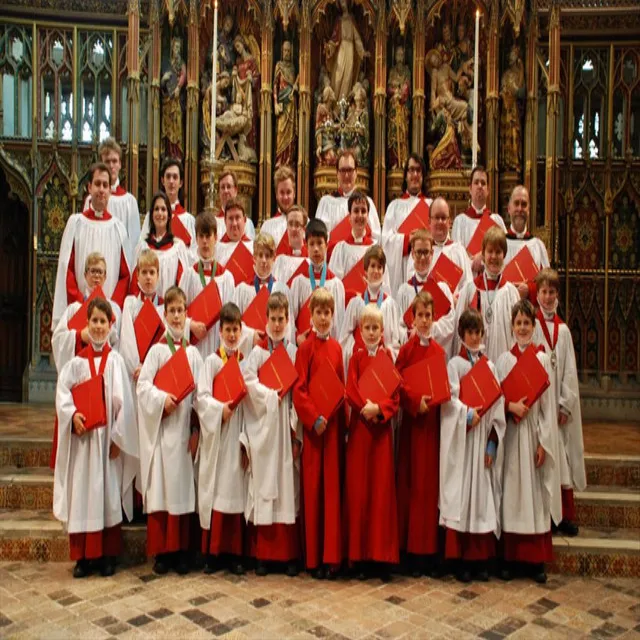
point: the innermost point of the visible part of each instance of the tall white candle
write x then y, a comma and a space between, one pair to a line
476, 90
214, 81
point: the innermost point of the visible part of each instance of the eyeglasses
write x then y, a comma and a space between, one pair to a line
414, 170
422, 253
346, 170
96, 271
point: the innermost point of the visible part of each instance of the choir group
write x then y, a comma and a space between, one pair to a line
327, 392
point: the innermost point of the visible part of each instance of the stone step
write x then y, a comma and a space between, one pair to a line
37, 536
26, 488
603, 506
613, 470
20, 451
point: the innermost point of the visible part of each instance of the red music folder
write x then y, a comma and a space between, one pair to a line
79, 319
175, 376
339, 233
303, 268
441, 304
326, 390
303, 321
380, 379
240, 264
429, 377
417, 219
89, 399
479, 387
527, 378
206, 305
475, 244
522, 268
229, 385
278, 372
447, 271
179, 230
354, 282
255, 315
148, 327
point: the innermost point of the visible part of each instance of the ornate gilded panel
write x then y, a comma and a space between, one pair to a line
586, 321
622, 334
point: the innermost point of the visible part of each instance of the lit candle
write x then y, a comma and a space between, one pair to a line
476, 89
214, 80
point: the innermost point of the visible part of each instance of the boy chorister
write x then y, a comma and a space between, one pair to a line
421, 245
168, 443
418, 450
95, 468
530, 499
273, 444
492, 297
319, 275
323, 444
554, 335
371, 509
196, 278
221, 477
470, 464
375, 263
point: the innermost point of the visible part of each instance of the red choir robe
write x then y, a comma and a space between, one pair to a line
418, 460
370, 506
321, 457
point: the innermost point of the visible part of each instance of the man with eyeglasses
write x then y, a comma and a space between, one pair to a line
396, 245
440, 224
333, 209
95, 229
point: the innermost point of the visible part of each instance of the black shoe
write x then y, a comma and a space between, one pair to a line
210, 564
236, 567
82, 569
568, 528
161, 565
554, 528
292, 569
506, 574
108, 566
463, 575
482, 575
539, 574
318, 574
261, 569
182, 563
385, 573
331, 573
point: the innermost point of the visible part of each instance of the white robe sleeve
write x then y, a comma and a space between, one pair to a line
63, 340
60, 302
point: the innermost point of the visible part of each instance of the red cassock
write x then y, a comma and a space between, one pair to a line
321, 457
418, 461
370, 501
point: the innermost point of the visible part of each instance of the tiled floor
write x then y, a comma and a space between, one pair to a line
43, 601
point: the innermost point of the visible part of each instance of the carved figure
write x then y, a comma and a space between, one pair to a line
398, 111
325, 127
512, 88
246, 81
172, 85
285, 88
356, 133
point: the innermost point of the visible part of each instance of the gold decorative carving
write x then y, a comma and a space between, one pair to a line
401, 10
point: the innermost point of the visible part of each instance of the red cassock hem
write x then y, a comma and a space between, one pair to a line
225, 534
96, 544
568, 504
533, 548
276, 542
462, 545
167, 533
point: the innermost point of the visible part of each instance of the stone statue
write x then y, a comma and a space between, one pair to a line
512, 88
344, 53
398, 111
226, 52
326, 113
245, 79
450, 113
285, 88
222, 105
356, 133
172, 85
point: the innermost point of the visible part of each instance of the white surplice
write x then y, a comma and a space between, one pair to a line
470, 494
465, 226
442, 330
536, 247
89, 489
270, 424
221, 479
457, 254
564, 379
224, 250
167, 481
285, 266
333, 209
83, 236
497, 333
275, 226
530, 496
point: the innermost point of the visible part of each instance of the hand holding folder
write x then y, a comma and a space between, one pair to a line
89, 399
479, 388
429, 378
148, 328
79, 319
278, 372
528, 379
206, 305
229, 385
175, 376
380, 379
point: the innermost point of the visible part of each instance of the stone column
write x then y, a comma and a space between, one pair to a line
133, 95
305, 114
